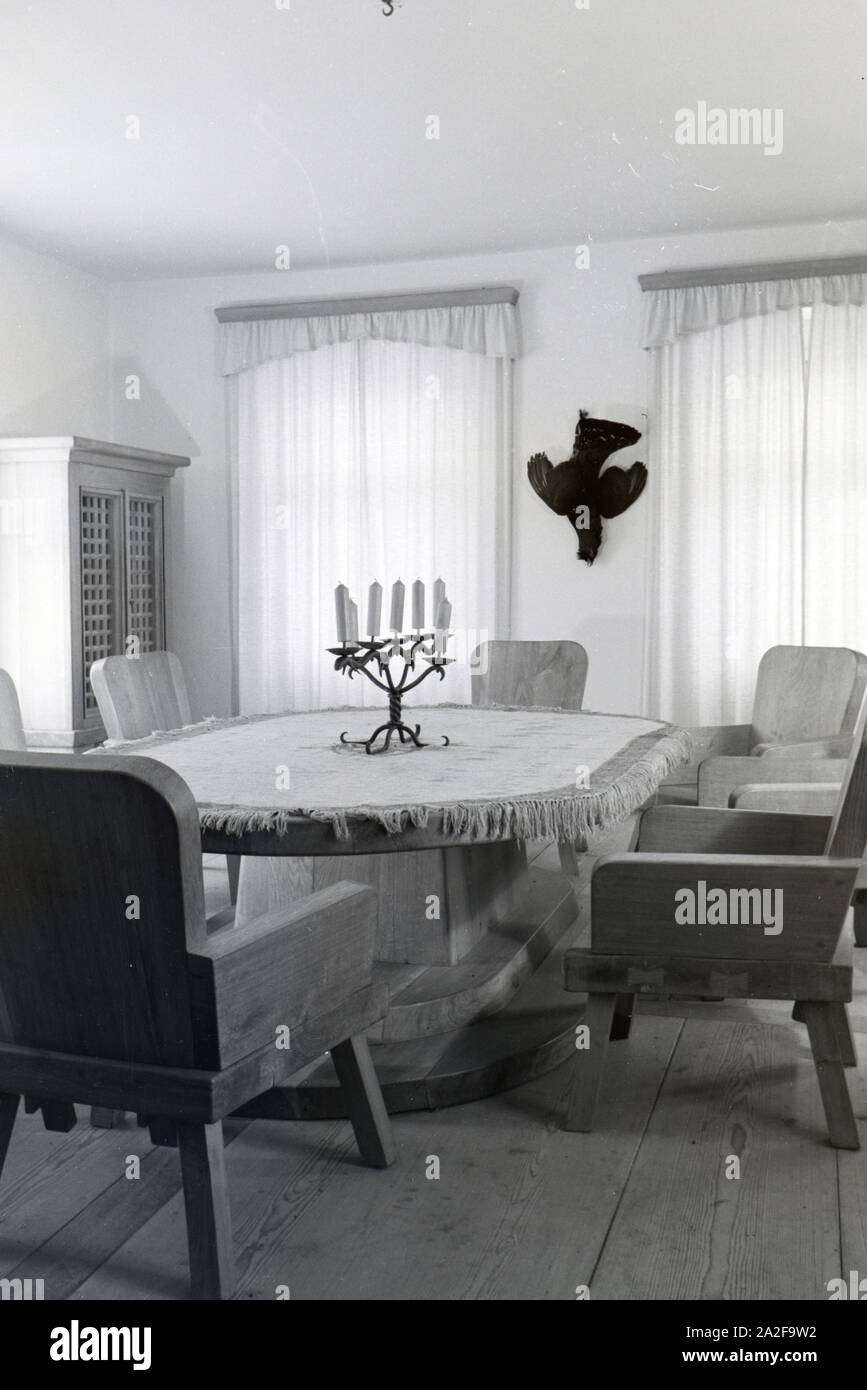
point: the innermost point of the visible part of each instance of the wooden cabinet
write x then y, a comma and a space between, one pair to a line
83, 527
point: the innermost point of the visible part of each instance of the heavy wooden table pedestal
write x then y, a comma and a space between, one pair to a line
463, 931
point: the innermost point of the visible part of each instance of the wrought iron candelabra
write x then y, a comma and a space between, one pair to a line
379, 653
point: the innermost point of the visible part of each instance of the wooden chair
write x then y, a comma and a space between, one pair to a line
533, 674
551, 674
11, 727
112, 992
638, 946
143, 695
805, 707
140, 695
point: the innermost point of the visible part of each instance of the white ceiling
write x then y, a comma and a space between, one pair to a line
305, 126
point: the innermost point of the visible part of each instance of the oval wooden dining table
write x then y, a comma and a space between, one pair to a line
441, 832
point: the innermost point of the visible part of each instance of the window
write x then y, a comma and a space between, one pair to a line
758, 460
383, 452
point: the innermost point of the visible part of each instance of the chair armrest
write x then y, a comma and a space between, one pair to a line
717, 740
769, 906
836, 746
711, 830
803, 798
709, 741
318, 913
719, 777
280, 969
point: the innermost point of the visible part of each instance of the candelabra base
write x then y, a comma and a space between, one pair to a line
358, 656
404, 732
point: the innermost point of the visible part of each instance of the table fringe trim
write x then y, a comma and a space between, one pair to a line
564, 816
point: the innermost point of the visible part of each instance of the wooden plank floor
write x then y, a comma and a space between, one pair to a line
640, 1209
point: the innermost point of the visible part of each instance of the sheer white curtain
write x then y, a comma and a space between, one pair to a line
835, 504
361, 460
726, 488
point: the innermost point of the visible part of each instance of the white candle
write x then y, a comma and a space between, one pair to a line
418, 605
374, 608
352, 621
439, 593
341, 598
441, 624
444, 615
397, 592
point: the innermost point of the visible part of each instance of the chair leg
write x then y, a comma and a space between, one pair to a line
622, 1020
209, 1227
233, 866
568, 858
367, 1111
59, 1116
822, 1028
569, 851
163, 1132
859, 922
845, 1040
589, 1063
8, 1111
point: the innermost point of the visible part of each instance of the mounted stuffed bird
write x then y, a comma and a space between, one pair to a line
578, 489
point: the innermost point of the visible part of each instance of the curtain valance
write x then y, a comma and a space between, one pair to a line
670, 314
490, 329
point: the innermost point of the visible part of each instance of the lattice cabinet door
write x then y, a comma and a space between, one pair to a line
102, 582
145, 597
122, 580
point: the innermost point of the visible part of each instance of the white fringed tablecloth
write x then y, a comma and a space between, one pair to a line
528, 774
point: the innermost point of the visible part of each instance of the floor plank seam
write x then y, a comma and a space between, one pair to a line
635, 1154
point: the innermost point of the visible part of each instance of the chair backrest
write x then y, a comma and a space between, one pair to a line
102, 897
529, 673
847, 836
11, 727
807, 692
139, 695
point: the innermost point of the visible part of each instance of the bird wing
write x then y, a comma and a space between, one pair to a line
618, 488
539, 471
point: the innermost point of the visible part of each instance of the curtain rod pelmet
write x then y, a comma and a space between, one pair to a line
746, 274
365, 304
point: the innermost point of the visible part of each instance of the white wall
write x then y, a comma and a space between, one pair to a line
54, 340
580, 341
54, 379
